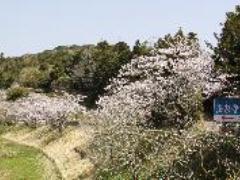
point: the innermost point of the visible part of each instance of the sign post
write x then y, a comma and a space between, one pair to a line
226, 109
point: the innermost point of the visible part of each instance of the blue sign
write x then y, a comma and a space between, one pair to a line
226, 109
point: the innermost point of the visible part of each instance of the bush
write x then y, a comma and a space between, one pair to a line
210, 156
15, 93
132, 152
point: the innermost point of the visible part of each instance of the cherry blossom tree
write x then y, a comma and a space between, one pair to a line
175, 74
42, 109
161, 90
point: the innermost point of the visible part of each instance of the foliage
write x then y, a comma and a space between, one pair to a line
141, 49
210, 156
132, 153
169, 40
164, 154
9, 71
16, 92
31, 77
226, 54
82, 69
62, 83
97, 65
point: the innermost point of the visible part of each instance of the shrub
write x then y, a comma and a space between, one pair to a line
15, 93
210, 156
131, 152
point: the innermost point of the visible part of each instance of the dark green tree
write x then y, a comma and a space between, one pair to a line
141, 49
227, 52
96, 65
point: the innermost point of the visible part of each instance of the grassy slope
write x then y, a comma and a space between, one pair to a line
60, 148
23, 162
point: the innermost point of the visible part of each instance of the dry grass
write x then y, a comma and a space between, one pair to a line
61, 148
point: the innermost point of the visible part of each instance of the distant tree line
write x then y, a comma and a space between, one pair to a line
83, 69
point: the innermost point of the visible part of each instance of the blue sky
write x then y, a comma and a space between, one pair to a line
29, 26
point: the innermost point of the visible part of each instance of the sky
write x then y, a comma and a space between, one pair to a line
30, 26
